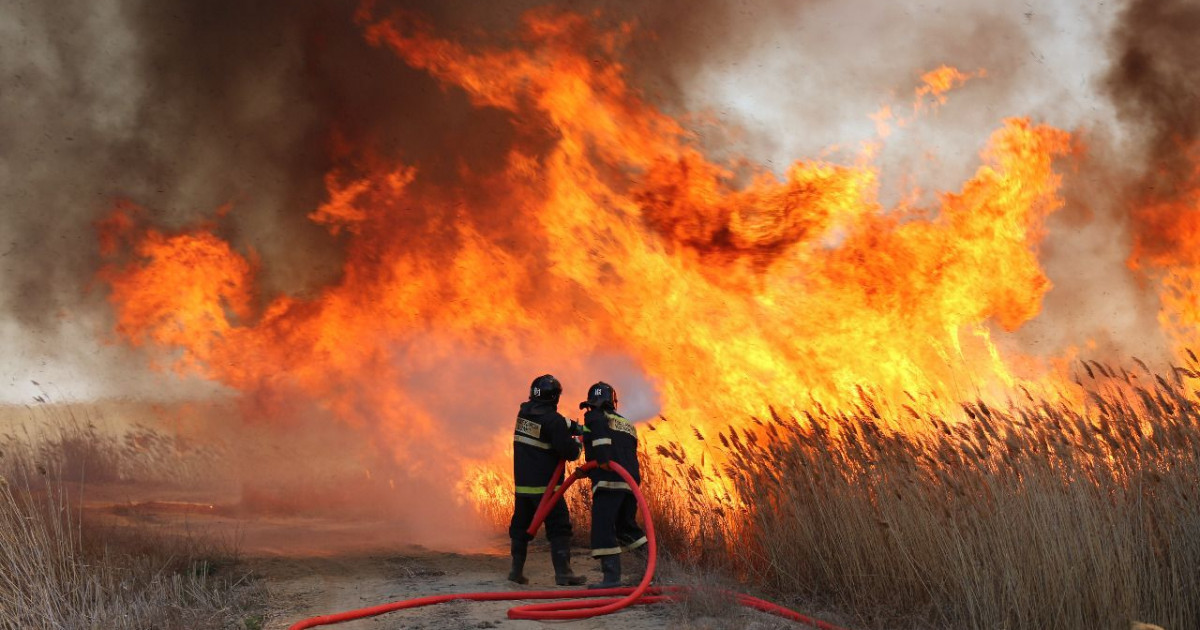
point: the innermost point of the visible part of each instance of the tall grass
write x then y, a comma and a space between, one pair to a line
82, 444
58, 570
1042, 515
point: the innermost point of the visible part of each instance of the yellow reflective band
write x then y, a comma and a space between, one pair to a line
610, 485
619, 423
525, 425
525, 439
606, 551
534, 489
634, 545
601, 441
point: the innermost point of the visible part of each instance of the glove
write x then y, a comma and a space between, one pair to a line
575, 428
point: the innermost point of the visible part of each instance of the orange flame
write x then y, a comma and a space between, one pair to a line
1168, 243
734, 289
939, 81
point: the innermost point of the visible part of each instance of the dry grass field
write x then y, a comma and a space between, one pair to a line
1048, 515
1040, 515
61, 569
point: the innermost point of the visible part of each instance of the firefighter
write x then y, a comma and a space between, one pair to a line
542, 438
609, 437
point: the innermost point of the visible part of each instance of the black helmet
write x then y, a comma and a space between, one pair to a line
600, 395
545, 387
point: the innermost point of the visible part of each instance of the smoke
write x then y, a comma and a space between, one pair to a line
1155, 84
796, 80
107, 101
182, 108
64, 107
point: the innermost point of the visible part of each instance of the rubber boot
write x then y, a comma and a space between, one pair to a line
560, 555
520, 548
610, 566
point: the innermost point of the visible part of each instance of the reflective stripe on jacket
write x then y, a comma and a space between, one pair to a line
609, 437
541, 438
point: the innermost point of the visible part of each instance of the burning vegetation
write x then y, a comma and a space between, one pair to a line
734, 288
832, 370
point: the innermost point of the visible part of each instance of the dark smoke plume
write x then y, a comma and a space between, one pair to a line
1155, 83
182, 107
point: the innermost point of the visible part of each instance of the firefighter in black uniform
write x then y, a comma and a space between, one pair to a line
542, 438
609, 437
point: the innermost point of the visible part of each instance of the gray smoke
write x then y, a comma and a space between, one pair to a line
1155, 83
789, 80
114, 99
181, 107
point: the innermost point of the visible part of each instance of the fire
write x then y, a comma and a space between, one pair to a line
197, 282
1168, 243
734, 288
939, 81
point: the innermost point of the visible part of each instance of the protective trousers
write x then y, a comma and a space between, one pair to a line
558, 521
614, 523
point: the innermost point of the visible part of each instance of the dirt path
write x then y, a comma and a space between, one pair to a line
304, 587
314, 566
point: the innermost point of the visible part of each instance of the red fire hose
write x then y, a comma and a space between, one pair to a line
600, 602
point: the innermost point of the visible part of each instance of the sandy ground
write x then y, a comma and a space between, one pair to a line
303, 587
317, 566
314, 566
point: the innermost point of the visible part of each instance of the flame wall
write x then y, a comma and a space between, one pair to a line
423, 207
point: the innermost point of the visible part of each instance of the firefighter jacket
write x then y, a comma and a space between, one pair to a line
608, 436
542, 437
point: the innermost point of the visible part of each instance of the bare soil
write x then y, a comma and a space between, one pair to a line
304, 587
317, 566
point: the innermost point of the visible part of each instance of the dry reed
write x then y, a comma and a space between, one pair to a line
59, 571
1047, 515
1042, 515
